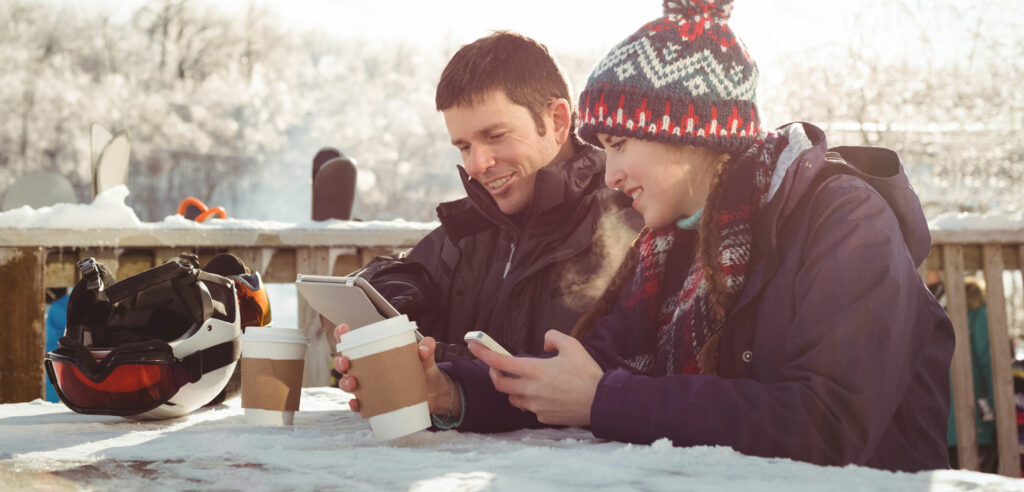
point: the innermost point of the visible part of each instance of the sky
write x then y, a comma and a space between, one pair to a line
45, 446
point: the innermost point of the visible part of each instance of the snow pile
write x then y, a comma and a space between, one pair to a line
952, 221
109, 211
45, 445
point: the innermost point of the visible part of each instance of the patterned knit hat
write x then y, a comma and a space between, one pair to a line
683, 79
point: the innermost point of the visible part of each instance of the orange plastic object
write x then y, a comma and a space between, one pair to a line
204, 212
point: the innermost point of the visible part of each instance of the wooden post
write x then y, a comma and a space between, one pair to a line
314, 261
961, 376
22, 318
1002, 370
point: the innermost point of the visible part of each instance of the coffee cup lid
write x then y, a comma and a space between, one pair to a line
375, 331
272, 334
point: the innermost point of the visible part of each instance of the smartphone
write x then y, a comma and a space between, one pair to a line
349, 300
486, 340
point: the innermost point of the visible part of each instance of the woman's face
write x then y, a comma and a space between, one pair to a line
665, 181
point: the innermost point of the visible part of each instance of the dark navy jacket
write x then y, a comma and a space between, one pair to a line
834, 354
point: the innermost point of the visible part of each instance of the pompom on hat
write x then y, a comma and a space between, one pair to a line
683, 78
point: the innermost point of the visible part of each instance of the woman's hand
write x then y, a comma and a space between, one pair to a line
442, 395
559, 390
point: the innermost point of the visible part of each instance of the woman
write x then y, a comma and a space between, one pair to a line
775, 305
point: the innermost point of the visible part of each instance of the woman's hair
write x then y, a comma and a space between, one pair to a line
709, 249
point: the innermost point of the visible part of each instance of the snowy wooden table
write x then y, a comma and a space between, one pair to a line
46, 446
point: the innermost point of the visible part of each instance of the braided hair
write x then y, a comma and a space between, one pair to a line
709, 249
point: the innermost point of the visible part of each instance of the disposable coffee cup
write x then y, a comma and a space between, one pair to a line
392, 388
272, 363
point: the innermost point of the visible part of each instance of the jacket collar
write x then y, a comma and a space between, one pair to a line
558, 188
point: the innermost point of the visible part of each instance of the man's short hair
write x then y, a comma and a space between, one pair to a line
515, 64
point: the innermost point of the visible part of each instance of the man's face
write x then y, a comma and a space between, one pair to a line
501, 147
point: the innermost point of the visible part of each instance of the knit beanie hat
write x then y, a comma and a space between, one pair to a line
683, 78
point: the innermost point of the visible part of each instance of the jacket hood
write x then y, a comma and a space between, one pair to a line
558, 187
881, 168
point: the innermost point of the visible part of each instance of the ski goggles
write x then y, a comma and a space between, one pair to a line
131, 379
253, 304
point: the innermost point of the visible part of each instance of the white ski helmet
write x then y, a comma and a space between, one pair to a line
156, 345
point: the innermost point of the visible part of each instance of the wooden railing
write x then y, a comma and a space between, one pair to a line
33, 259
960, 253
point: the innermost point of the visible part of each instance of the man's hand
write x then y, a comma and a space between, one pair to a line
442, 395
559, 390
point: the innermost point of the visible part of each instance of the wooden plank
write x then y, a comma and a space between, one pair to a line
962, 378
23, 322
162, 255
972, 259
1011, 257
317, 372
1002, 376
1002, 237
282, 266
357, 234
347, 264
133, 262
61, 269
934, 259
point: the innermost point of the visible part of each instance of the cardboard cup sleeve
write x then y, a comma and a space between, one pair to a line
271, 384
389, 380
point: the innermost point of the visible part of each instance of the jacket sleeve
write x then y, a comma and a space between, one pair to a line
416, 284
486, 409
860, 328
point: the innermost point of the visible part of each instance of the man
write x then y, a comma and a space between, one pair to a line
538, 236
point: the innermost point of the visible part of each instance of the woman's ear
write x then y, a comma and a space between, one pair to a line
561, 116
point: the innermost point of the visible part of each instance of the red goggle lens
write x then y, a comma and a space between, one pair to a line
128, 386
253, 304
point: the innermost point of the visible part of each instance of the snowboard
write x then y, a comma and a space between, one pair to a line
38, 189
110, 163
334, 185
322, 156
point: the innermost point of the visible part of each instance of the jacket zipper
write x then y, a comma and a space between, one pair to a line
509, 264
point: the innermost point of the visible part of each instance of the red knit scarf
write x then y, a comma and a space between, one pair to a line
688, 331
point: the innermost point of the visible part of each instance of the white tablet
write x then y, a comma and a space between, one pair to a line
349, 300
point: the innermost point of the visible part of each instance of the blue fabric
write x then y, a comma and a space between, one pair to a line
691, 222
56, 319
446, 422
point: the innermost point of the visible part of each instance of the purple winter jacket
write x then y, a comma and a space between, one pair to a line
835, 352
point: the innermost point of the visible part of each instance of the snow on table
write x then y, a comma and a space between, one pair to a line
46, 446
